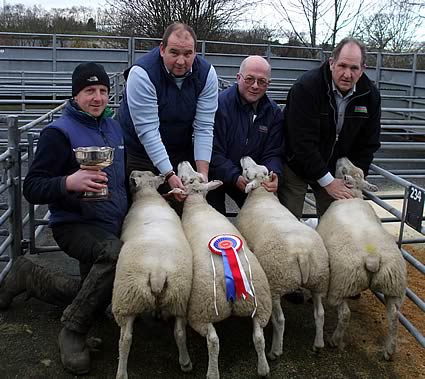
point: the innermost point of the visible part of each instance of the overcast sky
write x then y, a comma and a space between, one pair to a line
47, 4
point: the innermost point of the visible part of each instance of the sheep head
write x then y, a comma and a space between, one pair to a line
148, 179
354, 176
254, 174
194, 181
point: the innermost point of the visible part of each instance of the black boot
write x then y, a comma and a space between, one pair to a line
15, 281
75, 356
53, 287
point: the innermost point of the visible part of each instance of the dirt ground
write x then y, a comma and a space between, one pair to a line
29, 329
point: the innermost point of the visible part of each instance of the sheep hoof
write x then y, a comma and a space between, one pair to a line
317, 349
336, 342
272, 355
387, 356
186, 367
264, 371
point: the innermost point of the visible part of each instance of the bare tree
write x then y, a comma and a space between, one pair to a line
305, 12
393, 27
149, 18
345, 12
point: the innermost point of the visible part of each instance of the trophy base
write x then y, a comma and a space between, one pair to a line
96, 196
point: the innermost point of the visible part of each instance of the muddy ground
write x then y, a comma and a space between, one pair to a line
29, 329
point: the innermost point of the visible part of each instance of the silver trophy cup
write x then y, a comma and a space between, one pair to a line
101, 156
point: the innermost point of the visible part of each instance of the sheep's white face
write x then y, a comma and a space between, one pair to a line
188, 175
194, 181
353, 175
254, 174
146, 179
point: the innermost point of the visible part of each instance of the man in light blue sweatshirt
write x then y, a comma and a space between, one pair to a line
167, 113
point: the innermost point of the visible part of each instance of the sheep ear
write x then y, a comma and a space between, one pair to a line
213, 184
271, 175
135, 181
160, 179
369, 187
178, 191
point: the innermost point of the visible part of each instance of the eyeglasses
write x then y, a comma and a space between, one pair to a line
250, 80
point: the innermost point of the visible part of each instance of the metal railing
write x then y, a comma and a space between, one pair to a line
401, 75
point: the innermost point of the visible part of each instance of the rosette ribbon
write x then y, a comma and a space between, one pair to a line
237, 285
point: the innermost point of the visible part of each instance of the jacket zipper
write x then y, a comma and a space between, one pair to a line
335, 121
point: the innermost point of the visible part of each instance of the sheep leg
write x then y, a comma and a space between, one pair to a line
343, 322
319, 319
260, 346
126, 337
180, 337
393, 306
278, 321
213, 345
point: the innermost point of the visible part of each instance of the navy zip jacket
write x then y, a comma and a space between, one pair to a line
237, 134
55, 159
312, 144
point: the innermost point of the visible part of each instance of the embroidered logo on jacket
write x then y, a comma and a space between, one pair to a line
360, 109
263, 129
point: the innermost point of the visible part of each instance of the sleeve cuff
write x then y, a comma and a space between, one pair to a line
325, 180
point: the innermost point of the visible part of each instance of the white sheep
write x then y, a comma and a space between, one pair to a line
208, 304
291, 253
154, 269
362, 255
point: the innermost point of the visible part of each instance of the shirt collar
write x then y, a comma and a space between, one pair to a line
188, 73
337, 91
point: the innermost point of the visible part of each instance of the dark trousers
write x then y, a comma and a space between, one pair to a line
292, 190
217, 197
97, 251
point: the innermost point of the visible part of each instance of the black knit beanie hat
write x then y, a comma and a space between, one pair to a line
88, 74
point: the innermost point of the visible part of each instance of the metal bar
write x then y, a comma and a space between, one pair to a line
409, 241
42, 118
5, 216
416, 299
413, 261
15, 189
390, 176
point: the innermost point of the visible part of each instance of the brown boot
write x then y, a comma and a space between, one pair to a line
75, 356
53, 287
15, 281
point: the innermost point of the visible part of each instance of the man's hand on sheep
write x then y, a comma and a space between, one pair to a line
175, 182
241, 183
86, 180
271, 186
339, 189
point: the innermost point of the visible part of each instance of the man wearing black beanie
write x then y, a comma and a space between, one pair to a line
85, 230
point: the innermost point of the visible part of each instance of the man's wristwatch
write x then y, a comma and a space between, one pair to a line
169, 174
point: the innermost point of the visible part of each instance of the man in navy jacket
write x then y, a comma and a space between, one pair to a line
332, 111
247, 123
88, 231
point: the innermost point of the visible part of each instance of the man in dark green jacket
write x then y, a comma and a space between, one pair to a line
332, 112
